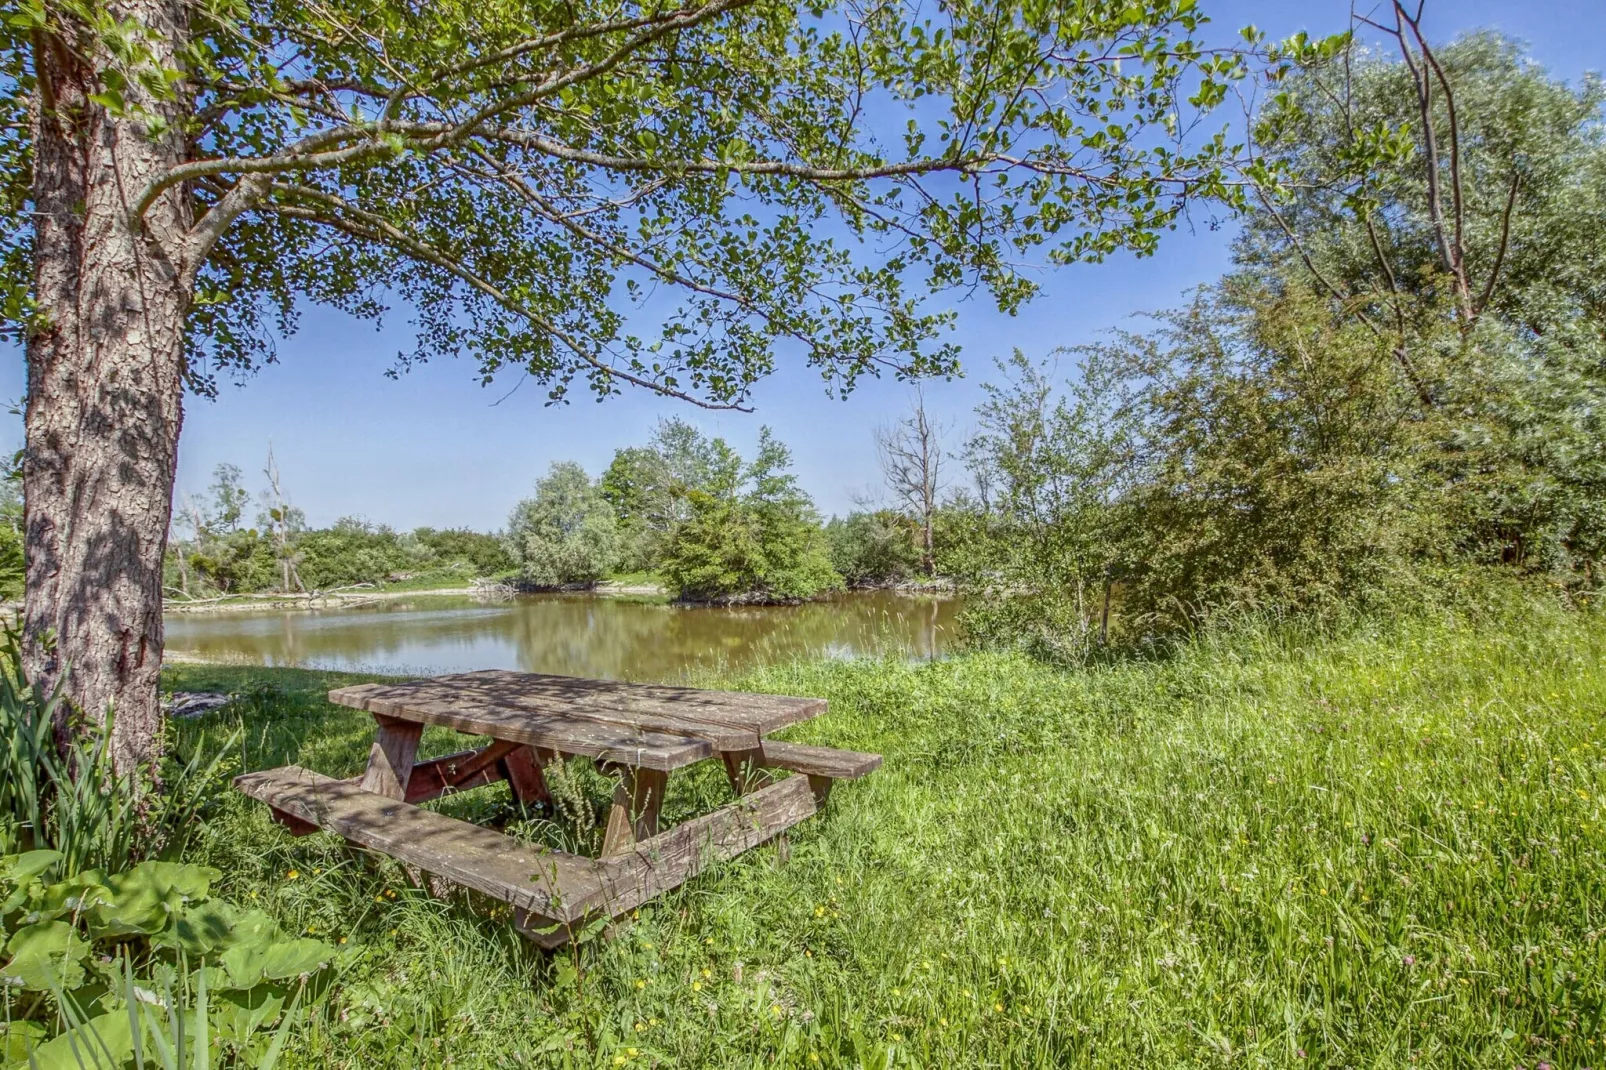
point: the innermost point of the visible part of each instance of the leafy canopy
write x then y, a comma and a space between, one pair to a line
728, 175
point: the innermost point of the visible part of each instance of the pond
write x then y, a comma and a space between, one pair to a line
576, 635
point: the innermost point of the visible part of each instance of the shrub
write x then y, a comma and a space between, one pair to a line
873, 547
567, 533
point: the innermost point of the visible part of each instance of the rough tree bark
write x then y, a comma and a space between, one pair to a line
105, 381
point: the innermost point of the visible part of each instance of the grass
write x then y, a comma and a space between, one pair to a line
1379, 850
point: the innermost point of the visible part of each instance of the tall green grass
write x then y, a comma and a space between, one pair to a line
1380, 849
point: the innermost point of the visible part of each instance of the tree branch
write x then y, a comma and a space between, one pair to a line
370, 227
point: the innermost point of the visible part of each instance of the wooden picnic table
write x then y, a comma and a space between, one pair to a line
638, 732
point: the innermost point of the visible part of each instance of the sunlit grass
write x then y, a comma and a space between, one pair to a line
1378, 850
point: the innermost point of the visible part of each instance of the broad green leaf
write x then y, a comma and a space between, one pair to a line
249, 965
45, 956
105, 1042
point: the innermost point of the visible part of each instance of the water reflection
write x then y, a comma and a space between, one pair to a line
572, 634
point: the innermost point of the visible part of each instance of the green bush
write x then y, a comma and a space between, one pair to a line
567, 533
752, 533
873, 547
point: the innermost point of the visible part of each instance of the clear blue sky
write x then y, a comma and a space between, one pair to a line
432, 448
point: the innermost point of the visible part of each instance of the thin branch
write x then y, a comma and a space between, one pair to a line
1500, 251
374, 228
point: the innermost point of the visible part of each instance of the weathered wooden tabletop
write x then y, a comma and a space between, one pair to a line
646, 726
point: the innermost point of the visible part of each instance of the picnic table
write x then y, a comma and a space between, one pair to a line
638, 732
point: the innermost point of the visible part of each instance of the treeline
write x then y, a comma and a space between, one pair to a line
214, 551
1402, 380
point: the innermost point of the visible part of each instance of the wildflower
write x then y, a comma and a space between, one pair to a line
708, 941
943, 1022
1409, 960
819, 912
696, 986
707, 972
998, 1008
619, 1060
640, 985
813, 1058
775, 1008
641, 1027
292, 875
631, 1052
342, 939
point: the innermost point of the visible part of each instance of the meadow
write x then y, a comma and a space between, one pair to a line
1382, 847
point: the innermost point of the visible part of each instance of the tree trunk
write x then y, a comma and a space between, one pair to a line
105, 381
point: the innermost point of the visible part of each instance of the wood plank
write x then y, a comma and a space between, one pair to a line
760, 712
390, 761
657, 707
674, 857
460, 772
819, 761
742, 769
522, 767
636, 802
568, 735
721, 729
551, 884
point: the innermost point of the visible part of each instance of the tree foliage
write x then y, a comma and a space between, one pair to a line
752, 532
567, 533
527, 173
1404, 372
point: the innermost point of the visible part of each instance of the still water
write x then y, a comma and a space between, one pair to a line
576, 635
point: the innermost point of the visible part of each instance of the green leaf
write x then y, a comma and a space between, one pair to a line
21, 867
45, 956
247, 966
105, 1042
237, 1014
147, 897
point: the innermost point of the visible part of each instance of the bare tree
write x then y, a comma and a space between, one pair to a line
913, 463
284, 520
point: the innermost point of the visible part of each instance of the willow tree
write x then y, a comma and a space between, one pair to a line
777, 178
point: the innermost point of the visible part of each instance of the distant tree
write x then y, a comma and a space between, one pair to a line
12, 564
228, 500
484, 555
283, 522
649, 486
873, 546
567, 533
913, 463
752, 533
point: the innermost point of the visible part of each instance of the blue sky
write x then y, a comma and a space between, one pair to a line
433, 447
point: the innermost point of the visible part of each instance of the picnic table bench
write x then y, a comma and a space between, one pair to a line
638, 732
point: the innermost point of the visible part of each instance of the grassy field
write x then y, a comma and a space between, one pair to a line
1380, 850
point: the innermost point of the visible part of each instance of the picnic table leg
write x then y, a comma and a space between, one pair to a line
745, 768
636, 802
390, 763
523, 771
